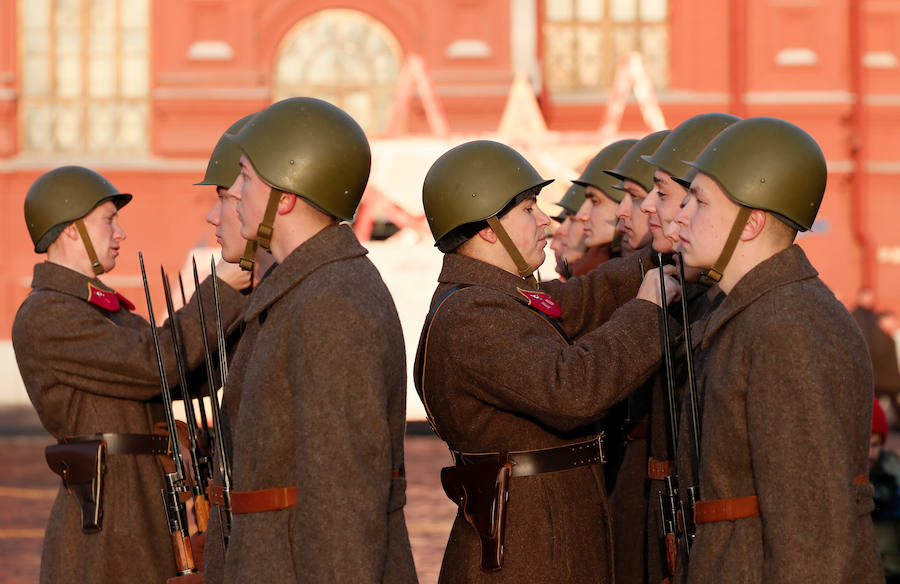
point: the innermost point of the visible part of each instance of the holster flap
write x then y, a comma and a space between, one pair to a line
81, 466
481, 491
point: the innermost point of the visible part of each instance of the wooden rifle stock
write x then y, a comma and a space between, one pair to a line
175, 482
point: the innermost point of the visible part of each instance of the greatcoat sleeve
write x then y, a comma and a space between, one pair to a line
524, 366
89, 351
588, 301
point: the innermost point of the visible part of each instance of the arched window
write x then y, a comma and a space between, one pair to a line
345, 57
85, 76
584, 40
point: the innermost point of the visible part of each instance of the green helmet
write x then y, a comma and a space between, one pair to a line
573, 199
632, 167
62, 196
224, 162
473, 182
594, 174
311, 148
687, 141
769, 164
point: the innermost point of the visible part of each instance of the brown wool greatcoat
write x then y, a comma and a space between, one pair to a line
88, 370
316, 398
498, 376
786, 395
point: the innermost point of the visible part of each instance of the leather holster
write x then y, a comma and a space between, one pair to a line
481, 491
81, 466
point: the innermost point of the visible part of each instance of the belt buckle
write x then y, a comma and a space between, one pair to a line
601, 438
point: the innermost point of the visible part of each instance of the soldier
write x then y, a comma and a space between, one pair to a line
512, 378
784, 383
222, 172
90, 370
568, 244
637, 180
315, 399
598, 211
640, 555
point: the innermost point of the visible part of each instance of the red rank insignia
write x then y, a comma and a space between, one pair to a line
107, 300
542, 302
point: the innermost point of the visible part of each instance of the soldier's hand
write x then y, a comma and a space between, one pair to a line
649, 289
232, 274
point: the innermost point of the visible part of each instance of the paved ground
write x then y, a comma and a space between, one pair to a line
27, 490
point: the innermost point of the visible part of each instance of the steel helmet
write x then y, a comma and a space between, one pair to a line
769, 164
687, 141
473, 182
224, 162
311, 148
573, 199
632, 167
63, 195
595, 175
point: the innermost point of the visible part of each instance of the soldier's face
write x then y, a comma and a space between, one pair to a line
105, 232
672, 229
632, 223
223, 216
252, 199
600, 227
705, 230
527, 225
660, 206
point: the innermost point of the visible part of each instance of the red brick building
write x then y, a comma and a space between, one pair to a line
141, 89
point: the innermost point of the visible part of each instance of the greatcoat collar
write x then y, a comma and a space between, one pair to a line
786, 267
331, 244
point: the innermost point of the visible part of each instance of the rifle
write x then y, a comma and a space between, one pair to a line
175, 481
668, 499
692, 491
218, 428
203, 419
199, 461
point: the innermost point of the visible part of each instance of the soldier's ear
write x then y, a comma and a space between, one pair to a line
70, 231
286, 203
755, 225
488, 235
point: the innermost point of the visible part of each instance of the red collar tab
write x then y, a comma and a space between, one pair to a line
111, 301
542, 302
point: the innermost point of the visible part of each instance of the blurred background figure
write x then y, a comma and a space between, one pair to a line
884, 474
878, 330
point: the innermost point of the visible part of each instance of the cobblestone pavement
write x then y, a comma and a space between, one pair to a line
27, 490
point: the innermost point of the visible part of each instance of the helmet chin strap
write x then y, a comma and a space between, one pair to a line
264, 231
522, 266
92, 255
248, 259
714, 274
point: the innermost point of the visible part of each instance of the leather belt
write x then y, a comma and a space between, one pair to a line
737, 508
546, 460
126, 443
658, 469
254, 501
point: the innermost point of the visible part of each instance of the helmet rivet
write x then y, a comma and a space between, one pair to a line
474, 195
292, 162
762, 180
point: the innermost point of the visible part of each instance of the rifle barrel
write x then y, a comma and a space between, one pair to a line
689, 360
199, 462
667, 359
218, 428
